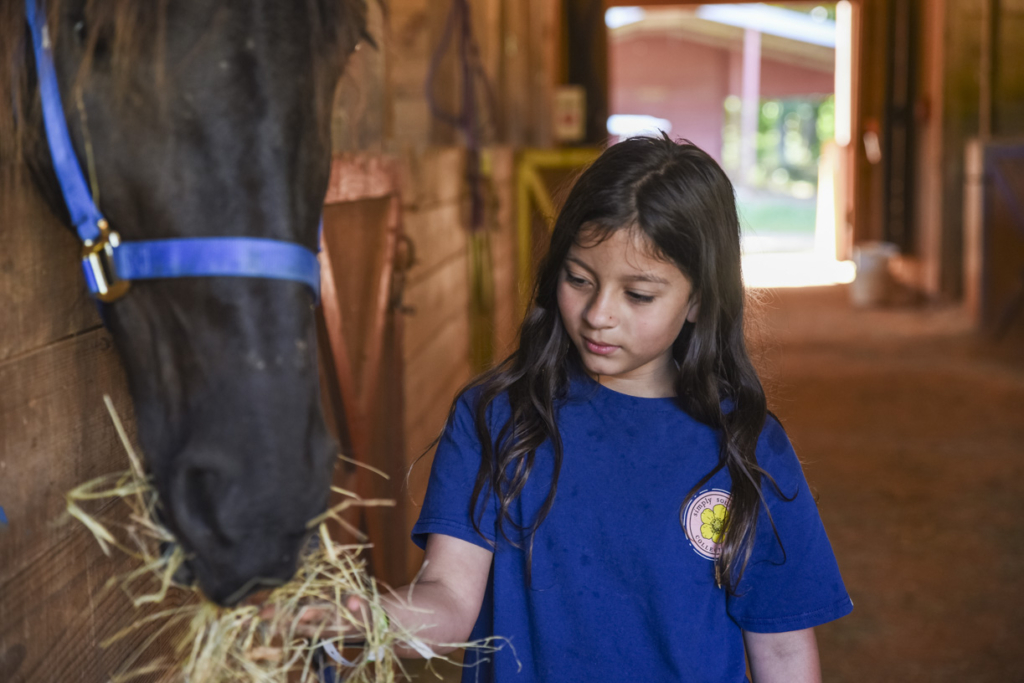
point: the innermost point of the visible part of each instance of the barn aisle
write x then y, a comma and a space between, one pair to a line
911, 430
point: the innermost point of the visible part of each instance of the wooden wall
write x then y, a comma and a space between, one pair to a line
518, 41
56, 362
435, 349
948, 113
929, 210
436, 329
868, 177
361, 120
962, 108
519, 52
503, 250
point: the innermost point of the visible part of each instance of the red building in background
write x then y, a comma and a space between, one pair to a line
676, 65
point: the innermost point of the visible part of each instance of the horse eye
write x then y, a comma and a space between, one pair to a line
80, 30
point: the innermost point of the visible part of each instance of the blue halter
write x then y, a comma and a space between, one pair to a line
110, 264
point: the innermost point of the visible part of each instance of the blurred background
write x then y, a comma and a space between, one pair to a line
877, 150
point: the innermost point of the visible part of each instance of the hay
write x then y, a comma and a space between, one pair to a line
213, 644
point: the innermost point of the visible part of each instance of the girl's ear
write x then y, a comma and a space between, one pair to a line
691, 315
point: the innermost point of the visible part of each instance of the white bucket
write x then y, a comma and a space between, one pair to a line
872, 284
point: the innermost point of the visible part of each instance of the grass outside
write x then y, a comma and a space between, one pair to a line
775, 222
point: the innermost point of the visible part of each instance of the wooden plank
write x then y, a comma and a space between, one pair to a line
437, 235
586, 57
412, 119
446, 83
360, 249
487, 26
435, 362
359, 118
506, 311
503, 250
872, 50
361, 228
516, 103
40, 277
424, 427
56, 611
55, 434
411, 44
389, 438
419, 435
360, 176
501, 163
544, 45
929, 197
435, 175
346, 373
446, 355
434, 302
1003, 264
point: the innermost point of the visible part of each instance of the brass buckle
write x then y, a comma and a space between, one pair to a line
98, 258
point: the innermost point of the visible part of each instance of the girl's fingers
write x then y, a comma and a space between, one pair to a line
323, 619
312, 613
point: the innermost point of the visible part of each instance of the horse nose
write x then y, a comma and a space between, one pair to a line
237, 539
194, 496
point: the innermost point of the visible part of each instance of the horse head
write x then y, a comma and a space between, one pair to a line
194, 118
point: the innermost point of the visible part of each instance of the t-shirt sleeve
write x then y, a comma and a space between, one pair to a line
794, 584
446, 507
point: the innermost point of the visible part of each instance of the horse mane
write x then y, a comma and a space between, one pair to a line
124, 31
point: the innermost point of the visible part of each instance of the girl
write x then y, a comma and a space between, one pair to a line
613, 498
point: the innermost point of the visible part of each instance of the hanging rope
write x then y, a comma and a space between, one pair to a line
467, 119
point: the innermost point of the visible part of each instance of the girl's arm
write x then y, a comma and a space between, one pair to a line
441, 607
790, 657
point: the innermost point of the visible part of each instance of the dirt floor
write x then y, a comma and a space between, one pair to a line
911, 430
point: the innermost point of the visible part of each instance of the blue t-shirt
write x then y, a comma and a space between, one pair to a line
621, 589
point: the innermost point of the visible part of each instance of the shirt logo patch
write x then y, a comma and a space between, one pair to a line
705, 519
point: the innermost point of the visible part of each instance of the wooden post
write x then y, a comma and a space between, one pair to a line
357, 342
987, 45
586, 55
751, 108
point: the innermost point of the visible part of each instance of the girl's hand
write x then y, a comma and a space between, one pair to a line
324, 620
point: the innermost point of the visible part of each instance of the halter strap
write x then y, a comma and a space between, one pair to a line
84, 214
213, 256
109, 264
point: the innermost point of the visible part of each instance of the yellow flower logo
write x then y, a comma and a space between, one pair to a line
706, 521
714, 522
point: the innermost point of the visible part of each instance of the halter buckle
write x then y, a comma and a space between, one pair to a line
98, 264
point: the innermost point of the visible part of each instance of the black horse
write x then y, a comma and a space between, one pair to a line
206, 118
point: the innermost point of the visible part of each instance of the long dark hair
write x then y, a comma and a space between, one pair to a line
679, 198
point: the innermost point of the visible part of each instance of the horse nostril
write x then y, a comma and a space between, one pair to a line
197, 496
